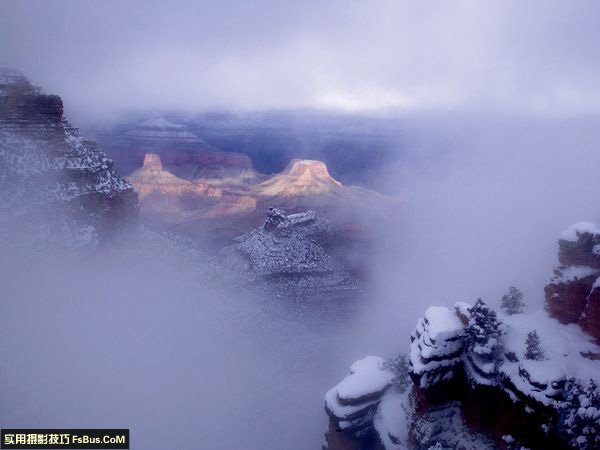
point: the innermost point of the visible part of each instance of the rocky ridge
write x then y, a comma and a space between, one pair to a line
286, 255
183, 199
473, 385
45, 165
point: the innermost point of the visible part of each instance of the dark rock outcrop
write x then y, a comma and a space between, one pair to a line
49, 171
287, 257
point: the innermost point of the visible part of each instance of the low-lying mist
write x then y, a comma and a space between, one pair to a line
484, 202
137, 337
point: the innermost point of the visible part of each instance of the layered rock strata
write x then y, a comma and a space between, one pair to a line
47, 166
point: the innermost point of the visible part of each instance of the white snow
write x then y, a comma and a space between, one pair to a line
442, 323
392, 419
343, 411
436, 345
567, 274
366, 377
563, 346
508, 439
298, 218
463, 308
572, 233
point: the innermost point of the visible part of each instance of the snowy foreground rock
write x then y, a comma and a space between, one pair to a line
475, 383
352, 404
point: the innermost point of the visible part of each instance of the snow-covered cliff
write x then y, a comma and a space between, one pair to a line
487, 380
53, 181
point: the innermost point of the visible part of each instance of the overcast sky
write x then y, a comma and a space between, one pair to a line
538, 57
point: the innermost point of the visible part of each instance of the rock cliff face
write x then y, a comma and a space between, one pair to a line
473, 384
286, 256
46, 166
573, 291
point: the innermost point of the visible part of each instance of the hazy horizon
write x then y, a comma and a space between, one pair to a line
396, 57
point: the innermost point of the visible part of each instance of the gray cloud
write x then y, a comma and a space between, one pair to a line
530, 57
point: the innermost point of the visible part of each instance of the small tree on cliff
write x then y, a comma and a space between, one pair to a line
482, 341
483, 330
579, 415
512, 302
398, 365
534, 349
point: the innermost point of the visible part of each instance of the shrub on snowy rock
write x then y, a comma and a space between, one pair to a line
512, 302
482, 344
534, 349
398, 365
580, 415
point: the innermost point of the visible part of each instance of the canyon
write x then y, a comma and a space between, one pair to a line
51, 175
301, 234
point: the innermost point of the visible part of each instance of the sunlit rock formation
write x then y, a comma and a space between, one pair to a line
45, 165
300, 177
164, 194
152, 178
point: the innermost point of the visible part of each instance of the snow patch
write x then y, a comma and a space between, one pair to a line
572, 233
442, 323
568, 274
367, 377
